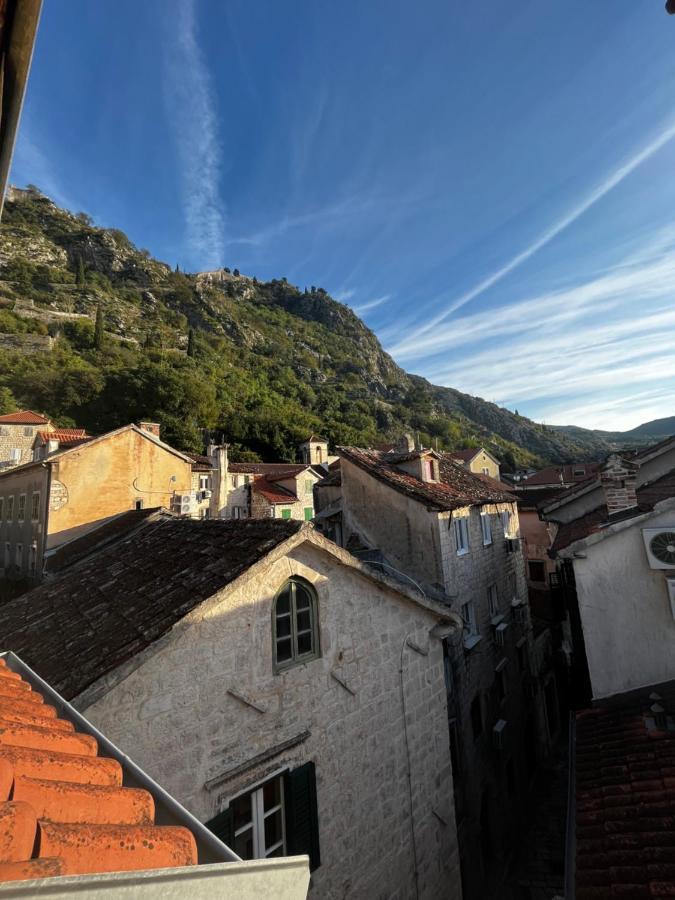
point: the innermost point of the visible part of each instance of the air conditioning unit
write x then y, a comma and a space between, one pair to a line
183, 504
205, 494
498, 737
660, 547
512, 545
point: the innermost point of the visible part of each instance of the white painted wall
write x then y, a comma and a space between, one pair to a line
175, 718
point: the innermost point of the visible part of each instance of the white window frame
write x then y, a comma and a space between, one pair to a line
21, 509
461, 526
15, 454
486, 528
493, 600
507, 517
486, 471
35, 506
204, 482
258, 816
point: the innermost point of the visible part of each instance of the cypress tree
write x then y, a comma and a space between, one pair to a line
191, 342
81, 276
98, 328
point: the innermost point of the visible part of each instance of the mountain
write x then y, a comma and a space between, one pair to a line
597, 442
654, 430
96, 332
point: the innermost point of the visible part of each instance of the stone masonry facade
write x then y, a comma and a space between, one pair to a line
196, 709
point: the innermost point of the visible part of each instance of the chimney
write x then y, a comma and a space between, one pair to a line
618, 479
406, 444
150, 427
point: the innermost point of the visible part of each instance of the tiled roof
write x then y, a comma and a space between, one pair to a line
333, 479
457, 488
648, 495
110, 606
465, 455
201, 463
23, 417
63, 807
316, 438
273, 493
625, 802
255, 468
65, 436
555, 475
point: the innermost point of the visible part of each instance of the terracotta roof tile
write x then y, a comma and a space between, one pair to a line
256, 468
457, 488
555, 475
625, 803
65, 436
23, 417
273, 493
65, 811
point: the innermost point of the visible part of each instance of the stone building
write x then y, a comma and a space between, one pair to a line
614, 544
314, 451
287, 694
478, 460
50, 501
18, 433
430, 521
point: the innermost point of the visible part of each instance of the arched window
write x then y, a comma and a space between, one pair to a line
295, 631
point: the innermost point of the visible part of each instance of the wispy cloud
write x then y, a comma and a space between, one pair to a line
344, 296
192, 115
666, 134
371, 304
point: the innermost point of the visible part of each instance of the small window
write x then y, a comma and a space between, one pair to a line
15, 454
21, 512
138, 504
580, 471
486, 528
476, 717
461, 534
469, 618
247, 479
493, 601
537, 570
18, 558
309, 514
28, 432
35, 506
309, 486
2, 508
294, 619
235, 481
286, 513
204, 482
486, 471
506, 522
10, 508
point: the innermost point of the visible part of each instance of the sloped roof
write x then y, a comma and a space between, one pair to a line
555, 475
66, 437
63, 807
465, 455
648, 495
110, 606
315, 439
273, 493
201, 463
257, 468
625, 799
23, 417
458, 486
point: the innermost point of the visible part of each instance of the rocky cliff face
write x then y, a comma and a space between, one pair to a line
274, 359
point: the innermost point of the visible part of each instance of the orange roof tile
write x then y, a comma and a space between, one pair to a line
64, 435
23, 417
63, 808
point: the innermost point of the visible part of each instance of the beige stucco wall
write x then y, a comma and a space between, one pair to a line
176, 719
628, 625
103, 478
483, 461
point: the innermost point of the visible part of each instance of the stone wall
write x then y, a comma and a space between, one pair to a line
25, 530
21, 438
176, 717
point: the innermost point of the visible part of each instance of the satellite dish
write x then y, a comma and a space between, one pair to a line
662, 547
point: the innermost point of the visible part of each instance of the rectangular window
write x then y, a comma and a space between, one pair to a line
258, 822
247, 479
461, 534
204, 482
486, 471
486, 528
309, 514
506, 522
35, 506
21, 512
309, 486
15, 454
32, 562
493, 601
2, 508
28, 432
286, 513
10, 508
18, 559
469, 618
537, 570
8, 556
578, 472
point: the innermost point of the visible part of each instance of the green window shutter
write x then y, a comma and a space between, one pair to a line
285, 513
309, 513
302, 817
221, 826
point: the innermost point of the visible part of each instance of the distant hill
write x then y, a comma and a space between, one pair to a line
658, 428
262, 364
594, 442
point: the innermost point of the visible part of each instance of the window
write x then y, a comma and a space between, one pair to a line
15, 454
28, 432
476, 717
579, 471
486, 528
2, 508
204, 513
537, 570
235, 481
469, 618
461, 534
138, 504
485, 470
204, 482
247, 479
35, 506
309, 514
21, 512
286, 513
506, 522
32, 561
10, 508
309, 486
8, 556
294, 619
493, 600
18, 558
276, 818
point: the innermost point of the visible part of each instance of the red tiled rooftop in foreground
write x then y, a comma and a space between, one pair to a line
23, 417
625, 802
63, 808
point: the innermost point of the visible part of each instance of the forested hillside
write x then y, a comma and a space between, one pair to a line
95, 332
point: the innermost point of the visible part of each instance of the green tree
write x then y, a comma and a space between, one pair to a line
99, 334
191, 343
81, 275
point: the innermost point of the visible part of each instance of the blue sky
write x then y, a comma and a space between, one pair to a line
490, 185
